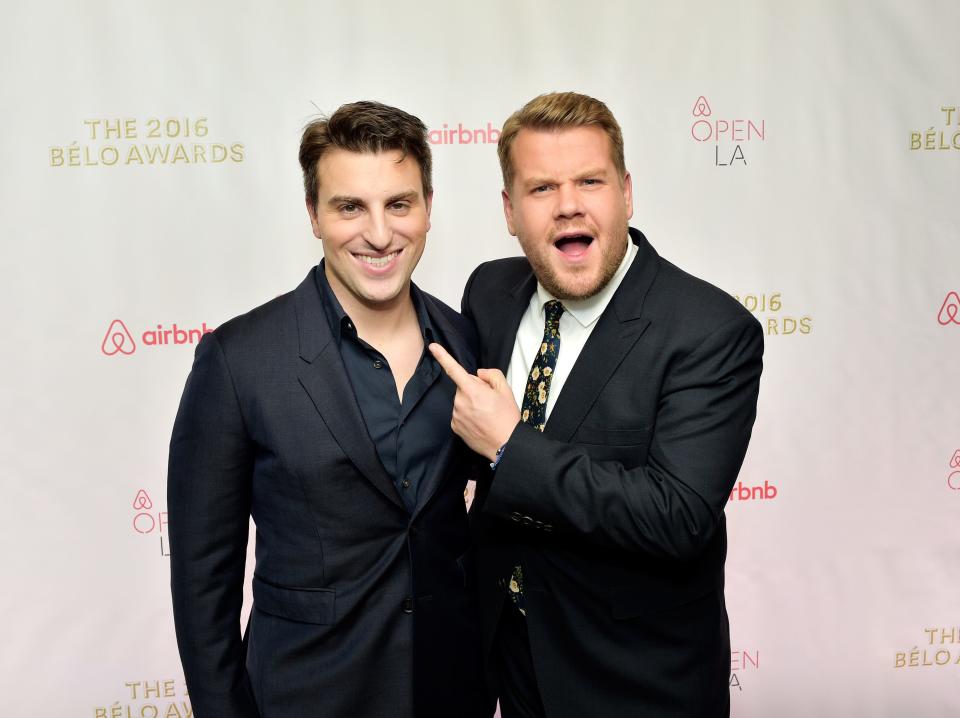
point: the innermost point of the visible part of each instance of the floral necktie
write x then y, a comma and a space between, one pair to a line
534, 409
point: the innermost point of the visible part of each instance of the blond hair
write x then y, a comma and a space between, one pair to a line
559, 111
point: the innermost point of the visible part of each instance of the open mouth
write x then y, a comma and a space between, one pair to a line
378, 262
573, 246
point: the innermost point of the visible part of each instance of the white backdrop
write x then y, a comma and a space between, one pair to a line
802, 156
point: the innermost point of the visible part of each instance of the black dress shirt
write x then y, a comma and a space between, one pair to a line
408, 434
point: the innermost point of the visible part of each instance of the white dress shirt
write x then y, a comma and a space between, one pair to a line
576, 324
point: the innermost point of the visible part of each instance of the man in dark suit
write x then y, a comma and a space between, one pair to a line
322, 416
614, 439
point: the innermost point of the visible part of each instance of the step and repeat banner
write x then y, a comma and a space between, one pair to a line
805, 157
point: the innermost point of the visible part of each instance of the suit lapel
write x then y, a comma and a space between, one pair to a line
324, 378
619, 327
515, 300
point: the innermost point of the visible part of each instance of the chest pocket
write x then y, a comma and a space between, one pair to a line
627, 446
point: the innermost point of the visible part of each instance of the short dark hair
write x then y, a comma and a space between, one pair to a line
364, 126
559, 111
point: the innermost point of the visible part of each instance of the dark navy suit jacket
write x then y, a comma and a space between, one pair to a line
360, 606
616, 509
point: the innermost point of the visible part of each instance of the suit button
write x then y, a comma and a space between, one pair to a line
408, 605
378, 364
515, 516
527, 521
405, 483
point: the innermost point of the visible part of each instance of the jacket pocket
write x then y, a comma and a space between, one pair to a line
305, 605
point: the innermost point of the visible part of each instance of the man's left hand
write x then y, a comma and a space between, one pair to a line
484, 410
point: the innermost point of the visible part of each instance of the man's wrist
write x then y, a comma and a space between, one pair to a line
496, 457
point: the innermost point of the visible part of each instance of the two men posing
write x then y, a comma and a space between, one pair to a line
610, 395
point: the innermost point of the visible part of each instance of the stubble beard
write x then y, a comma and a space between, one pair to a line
553, 283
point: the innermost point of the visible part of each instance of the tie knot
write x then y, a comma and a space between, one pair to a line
552, 311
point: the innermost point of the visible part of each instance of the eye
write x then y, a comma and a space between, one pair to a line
540, 189
403, 206
591, 181
349, 208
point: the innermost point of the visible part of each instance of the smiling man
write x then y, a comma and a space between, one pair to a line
614, 439
322, 416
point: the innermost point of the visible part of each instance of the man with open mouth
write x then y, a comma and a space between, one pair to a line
322, 415
615, 415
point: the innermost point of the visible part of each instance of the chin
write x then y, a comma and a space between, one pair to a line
576, 286
381, 295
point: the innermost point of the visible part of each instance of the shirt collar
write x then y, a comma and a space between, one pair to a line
342, 326
587, 311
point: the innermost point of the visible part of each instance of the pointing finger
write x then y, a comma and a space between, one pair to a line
460, 376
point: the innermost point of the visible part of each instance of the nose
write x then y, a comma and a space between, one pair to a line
378, 232
568, 202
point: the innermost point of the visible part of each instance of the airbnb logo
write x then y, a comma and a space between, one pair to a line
753, 493
950, 311
701, 108
464, 135
142, 500
117, 340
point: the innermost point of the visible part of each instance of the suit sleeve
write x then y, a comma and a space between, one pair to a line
671, 506
208, 502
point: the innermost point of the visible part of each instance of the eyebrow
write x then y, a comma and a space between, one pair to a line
592, 172
411, 194
344, 199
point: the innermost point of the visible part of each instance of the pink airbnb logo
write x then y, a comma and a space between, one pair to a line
142, 500
701, 108
950, 311
118, 340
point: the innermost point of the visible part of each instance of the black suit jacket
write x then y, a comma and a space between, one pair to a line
360, 608
616, 509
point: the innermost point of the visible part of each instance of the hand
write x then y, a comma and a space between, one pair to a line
484, 411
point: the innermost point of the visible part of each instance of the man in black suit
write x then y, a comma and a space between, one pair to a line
614, 437
321, 415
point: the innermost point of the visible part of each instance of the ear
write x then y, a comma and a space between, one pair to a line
508, 212
312, 211
429, 203
628, 194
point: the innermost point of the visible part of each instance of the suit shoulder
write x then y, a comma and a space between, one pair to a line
258, 326
680, 296
502, 271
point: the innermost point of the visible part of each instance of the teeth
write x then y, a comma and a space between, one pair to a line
377, 261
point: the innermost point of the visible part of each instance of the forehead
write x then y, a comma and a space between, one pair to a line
558, 152
367, 174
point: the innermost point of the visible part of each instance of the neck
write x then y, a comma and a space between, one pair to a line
374, 320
